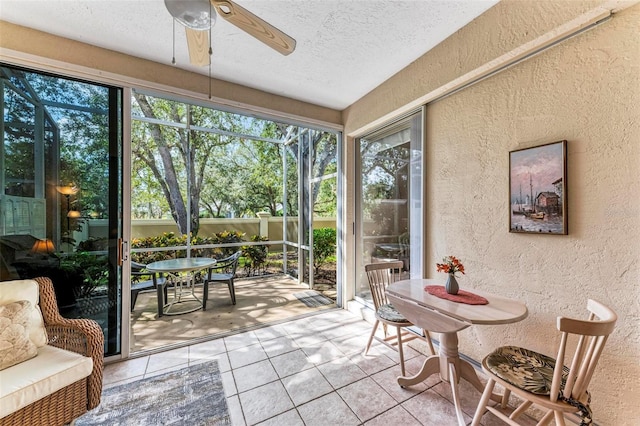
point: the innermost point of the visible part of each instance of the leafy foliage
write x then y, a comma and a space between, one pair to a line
86, 271
227, 164
324, 246
256, 256
170, 239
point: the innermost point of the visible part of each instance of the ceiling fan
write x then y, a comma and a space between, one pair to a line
198, 16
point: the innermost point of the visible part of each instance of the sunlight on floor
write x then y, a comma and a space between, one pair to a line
259, 301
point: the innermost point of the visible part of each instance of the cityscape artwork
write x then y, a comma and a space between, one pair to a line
537, 189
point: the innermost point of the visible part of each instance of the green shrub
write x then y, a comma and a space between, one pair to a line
324, 246
255, 256
227, 237
169, 239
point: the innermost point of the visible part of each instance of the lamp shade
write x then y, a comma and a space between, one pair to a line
74, 214
197, 15
67, 189
43, 247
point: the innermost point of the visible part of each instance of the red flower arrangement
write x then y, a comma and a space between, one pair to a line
451, 265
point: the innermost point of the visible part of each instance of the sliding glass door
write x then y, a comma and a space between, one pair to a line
60, 196
389, 199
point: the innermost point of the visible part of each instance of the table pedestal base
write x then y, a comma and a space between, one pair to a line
451, 368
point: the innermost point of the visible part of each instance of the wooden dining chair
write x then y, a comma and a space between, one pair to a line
549, 383
380, 275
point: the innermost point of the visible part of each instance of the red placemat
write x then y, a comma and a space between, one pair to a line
461, 297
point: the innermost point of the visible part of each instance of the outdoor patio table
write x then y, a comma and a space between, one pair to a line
447, 318
181, 273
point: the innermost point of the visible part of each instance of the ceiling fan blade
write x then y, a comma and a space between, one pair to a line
251, 24
198, 42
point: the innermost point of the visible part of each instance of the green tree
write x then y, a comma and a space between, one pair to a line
235, 166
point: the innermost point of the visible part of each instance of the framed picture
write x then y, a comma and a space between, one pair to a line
538, 189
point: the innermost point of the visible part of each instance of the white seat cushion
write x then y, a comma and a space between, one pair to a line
51, 370
16, 290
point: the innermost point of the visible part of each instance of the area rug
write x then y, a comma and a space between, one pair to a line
313, 299
190, 396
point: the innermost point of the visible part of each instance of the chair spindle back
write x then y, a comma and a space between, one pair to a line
380, 275
591, 335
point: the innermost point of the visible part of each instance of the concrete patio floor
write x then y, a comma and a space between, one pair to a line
259, 301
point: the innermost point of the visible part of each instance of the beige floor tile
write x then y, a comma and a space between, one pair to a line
264, 402
119, 372
351, 344
223, 361
395, 416
246, 355
300, 327
155, 373
388, 380
432, 409
291, 363
469, 395
366, 398
241, 340
372, 364
288, 418
271, 332
229, 384
235, 411
285, 374
322, 352
341, 372
207, 350
309, 339
168, 359
306, 385
278, 346
254, 375
327, 410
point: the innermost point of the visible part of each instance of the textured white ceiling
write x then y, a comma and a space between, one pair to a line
345, 48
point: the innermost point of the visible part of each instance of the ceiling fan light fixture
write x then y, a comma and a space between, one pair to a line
194, 14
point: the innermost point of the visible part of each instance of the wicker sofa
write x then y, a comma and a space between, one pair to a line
64, 379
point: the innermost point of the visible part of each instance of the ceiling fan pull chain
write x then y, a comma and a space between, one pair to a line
210, 49
173, 59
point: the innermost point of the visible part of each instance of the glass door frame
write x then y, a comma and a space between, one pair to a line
125, 222
417, 257
54, 191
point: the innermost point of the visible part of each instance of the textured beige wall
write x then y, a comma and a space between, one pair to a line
587, 91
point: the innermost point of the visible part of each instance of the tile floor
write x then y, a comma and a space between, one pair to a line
311, 371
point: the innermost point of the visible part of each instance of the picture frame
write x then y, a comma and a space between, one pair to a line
538, 189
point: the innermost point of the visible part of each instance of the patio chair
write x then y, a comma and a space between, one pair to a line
547, 382
157, 282
224, 271
380, 275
